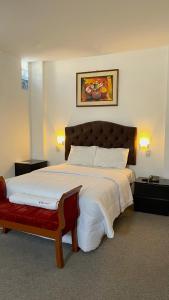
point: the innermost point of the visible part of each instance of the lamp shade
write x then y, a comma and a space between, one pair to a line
60, 139
144, 143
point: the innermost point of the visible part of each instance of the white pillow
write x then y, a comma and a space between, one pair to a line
82, 155
111, 158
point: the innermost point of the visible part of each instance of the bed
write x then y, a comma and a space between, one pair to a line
105, 192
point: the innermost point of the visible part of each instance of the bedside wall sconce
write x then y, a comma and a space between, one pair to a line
144, 144
60, 140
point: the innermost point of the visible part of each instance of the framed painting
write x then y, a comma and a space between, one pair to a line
97, 88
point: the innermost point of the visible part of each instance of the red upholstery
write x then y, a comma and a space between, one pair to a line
28, 215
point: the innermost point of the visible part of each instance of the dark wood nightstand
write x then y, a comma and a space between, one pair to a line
152, 197
29, 166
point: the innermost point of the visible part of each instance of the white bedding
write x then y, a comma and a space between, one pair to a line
34, 200
105, 194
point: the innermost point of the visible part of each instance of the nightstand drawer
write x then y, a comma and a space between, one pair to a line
151, 190
39, 165
152, 197
21, 169
152, 205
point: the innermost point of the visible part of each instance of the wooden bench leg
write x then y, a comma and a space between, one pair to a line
5, 230
75, 247
59, 252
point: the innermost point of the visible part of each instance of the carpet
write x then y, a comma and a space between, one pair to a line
133, 265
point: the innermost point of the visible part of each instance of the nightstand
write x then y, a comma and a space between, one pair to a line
152, 197
29, 166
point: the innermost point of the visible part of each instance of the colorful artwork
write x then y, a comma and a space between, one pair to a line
98, 90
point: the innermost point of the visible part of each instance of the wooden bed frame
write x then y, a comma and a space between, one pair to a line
66, 221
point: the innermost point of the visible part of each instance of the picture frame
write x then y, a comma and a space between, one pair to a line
97, 88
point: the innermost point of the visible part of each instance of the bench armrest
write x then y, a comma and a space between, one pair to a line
68, 209
2, 188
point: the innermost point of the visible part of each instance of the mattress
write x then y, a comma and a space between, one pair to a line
130, 174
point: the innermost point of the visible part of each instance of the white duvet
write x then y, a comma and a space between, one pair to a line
104, 195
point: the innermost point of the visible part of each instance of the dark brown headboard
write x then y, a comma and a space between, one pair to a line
102, 134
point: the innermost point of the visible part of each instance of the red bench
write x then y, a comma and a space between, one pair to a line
40, 221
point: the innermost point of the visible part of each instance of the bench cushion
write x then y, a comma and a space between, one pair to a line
28, 215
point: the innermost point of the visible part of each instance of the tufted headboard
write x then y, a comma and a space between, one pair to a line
102, 134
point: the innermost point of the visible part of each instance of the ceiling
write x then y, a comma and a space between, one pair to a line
53, 29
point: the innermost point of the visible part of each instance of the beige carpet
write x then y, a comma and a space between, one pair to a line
133, 265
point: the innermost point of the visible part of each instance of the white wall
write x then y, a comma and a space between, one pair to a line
14, 115
142, 100
166, 161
